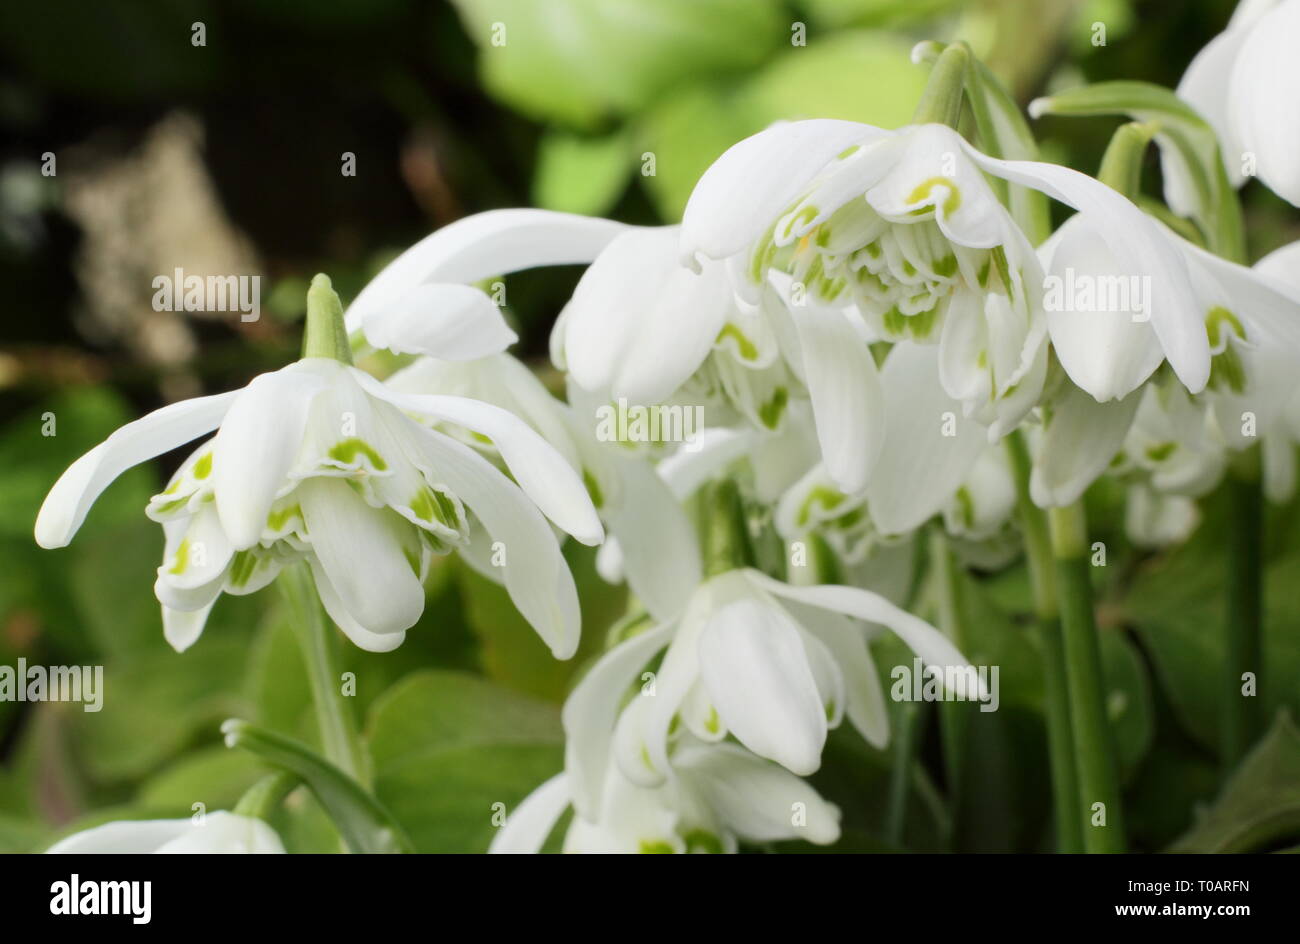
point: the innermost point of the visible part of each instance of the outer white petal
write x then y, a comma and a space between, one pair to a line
591, 709
848, 403
66, 505
1080, 441
258, 442
536, 575
612, 303
361, 637
756, 180
675, 336
493, 243
660, 555
1176, 315
182, 628
541, 471
446, 320
1107, 353
755, 668
525, 830
132, 837
927, 642
756, 799
919, 467
864, 696
361, 550
1262, 96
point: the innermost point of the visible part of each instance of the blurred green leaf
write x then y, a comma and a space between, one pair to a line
214, 776
448, 747
582, 174
1259, 808
577, 61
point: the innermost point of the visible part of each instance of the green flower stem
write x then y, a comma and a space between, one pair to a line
324, 334
338, 730
953, 716
1060, 745
1242, 650
1121, 165
1094, 754
906, 734
266, 795
942, 99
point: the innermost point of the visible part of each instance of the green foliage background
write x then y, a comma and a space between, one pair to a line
566, 115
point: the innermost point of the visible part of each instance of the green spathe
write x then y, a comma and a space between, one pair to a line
324, 334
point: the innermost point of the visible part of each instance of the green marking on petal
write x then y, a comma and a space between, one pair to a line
922, 323
946, 267
242, 567
1161, 451
1227, 370
654, 847
434, 505
203, 468
1217, 317
830, 709
347, 451
924, 189
713, 724
848, 151
895, 321
276, 520
748, 350
771, 412
182, 559
822, 495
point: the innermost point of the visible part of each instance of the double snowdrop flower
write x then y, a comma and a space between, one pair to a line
771, 664
1242, 325
318, 461
1245, 84
718, 794
218, 833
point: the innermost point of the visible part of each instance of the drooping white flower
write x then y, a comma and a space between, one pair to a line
903, 225
717, 795
774, 665
1245, 83
318, 461
217, 833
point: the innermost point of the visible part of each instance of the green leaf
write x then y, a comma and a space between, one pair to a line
364, 823
580, 173
1259, 808
448, 747
578, 61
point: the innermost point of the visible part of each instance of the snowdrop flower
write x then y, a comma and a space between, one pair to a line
772, 664
645, 329
1245, 83
717, 795
901, 224
219, 832
912, 210
318, 461
1110, 349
